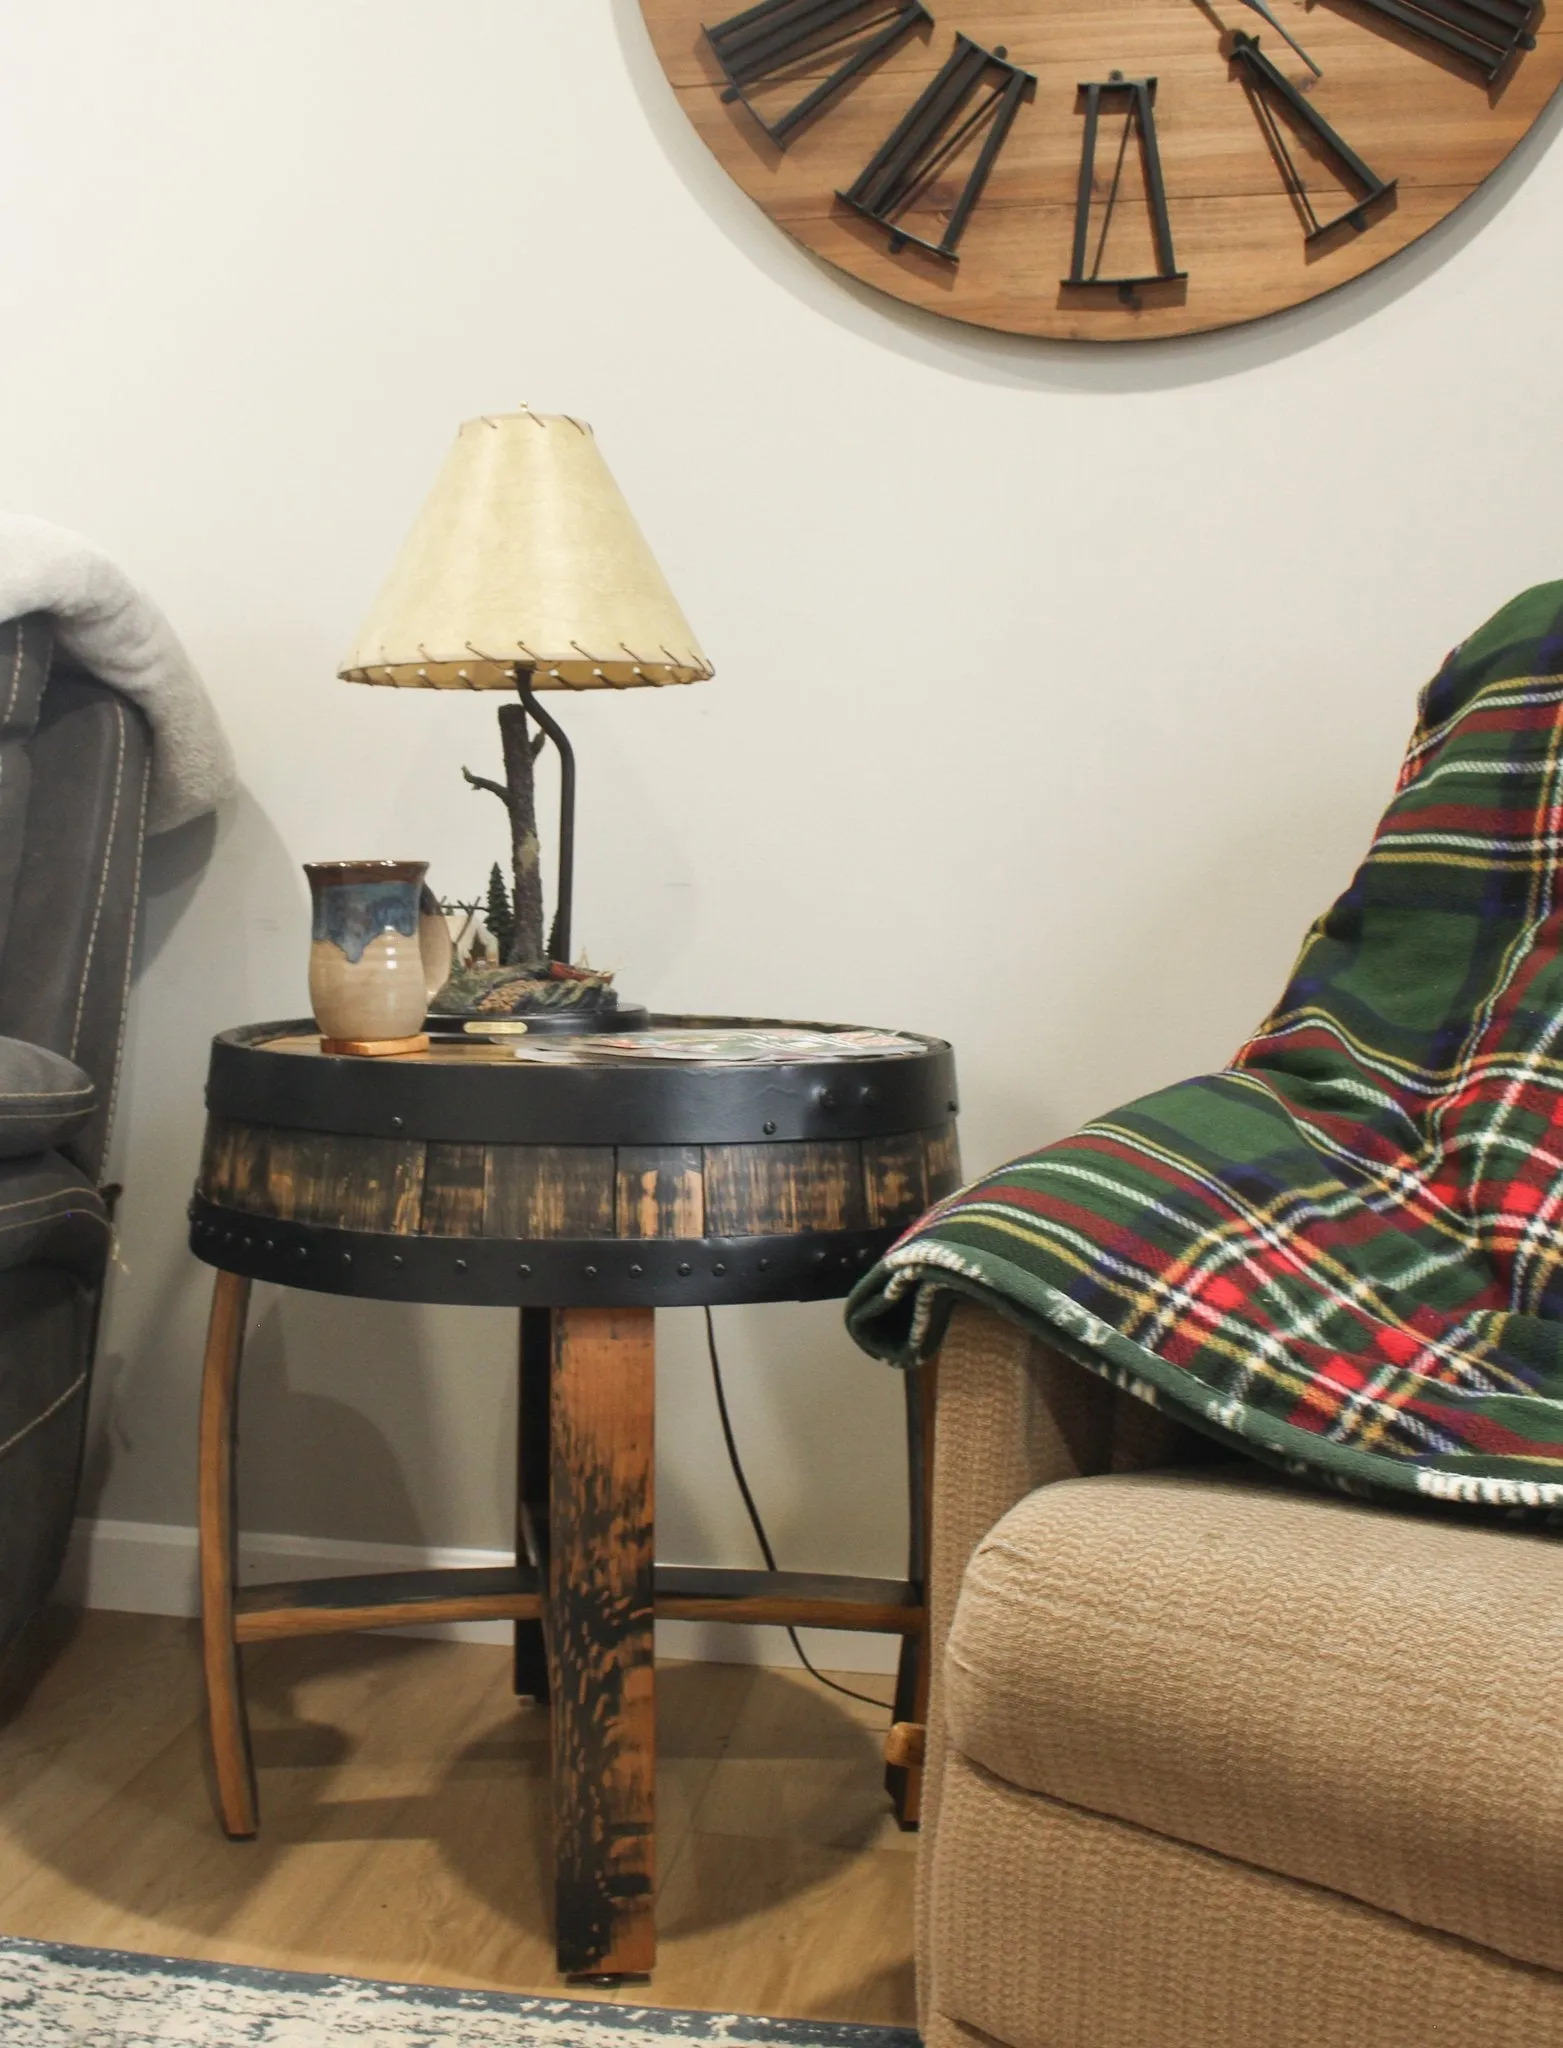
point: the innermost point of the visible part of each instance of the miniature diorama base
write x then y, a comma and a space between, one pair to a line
505, 988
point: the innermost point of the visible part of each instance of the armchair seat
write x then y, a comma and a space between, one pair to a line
1315, 1689
1215, 1761
74, 763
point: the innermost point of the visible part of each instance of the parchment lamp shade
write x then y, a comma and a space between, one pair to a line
525, 571
525, 554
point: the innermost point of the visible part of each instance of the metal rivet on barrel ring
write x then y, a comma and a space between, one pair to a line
765, 1265
684, 1272
769, 1127
347, 1258
396, 1123
461, 1265
396, 1260
525, 1272
636, 1271
591, 1272
301, 1251
718, 1267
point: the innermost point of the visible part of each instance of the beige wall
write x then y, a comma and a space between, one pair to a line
1057, 689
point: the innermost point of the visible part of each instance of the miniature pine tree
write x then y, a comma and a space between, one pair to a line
498, 916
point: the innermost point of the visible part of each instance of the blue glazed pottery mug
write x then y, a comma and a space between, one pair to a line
379, 949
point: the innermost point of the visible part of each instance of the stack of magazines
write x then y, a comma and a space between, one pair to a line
768, 1045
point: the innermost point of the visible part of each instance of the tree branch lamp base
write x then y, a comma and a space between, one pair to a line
533, 988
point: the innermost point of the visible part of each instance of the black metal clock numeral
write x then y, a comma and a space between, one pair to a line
977, 89
1270, 90
766, 42
1487, 33
1262, 10
1138, 96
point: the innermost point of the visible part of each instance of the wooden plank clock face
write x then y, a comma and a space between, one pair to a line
1108, 169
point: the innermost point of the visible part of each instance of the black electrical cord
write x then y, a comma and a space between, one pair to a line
754, 1515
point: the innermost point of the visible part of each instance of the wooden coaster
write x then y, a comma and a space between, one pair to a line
376, 1048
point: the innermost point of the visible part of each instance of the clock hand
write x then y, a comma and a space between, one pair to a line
1260, 8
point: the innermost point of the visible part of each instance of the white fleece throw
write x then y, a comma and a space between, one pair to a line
104, 622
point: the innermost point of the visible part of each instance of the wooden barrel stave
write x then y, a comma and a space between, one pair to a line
537, 1192
659, 1191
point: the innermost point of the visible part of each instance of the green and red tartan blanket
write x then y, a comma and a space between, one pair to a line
1344, 1252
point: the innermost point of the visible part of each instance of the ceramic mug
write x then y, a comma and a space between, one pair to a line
380, 951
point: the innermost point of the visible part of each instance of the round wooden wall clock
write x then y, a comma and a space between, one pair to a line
1108, 169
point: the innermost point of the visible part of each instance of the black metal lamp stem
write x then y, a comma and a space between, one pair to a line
559, 936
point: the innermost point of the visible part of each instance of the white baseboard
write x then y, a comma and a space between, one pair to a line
150, 1568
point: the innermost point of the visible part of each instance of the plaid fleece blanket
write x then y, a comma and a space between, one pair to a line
1343, 1252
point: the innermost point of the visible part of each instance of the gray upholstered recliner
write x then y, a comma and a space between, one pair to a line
74, 759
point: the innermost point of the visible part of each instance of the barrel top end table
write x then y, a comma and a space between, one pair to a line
585, 1186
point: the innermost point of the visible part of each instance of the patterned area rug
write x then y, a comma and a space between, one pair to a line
55, 1996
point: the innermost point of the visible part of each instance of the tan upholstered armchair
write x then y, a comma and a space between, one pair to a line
1216, 1760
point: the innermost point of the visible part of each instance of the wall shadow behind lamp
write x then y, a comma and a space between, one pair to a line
525, 571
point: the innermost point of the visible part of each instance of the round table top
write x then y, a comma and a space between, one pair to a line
793, 1081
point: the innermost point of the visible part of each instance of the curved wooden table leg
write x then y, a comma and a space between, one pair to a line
227, 1719
904, 1782
600, 1640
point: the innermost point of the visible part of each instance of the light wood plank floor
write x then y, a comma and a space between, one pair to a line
405, 1822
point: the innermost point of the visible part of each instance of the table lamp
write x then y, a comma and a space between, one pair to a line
525, 571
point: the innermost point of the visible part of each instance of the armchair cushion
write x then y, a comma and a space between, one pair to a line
44, 1098
50, 1213
1365, 1702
